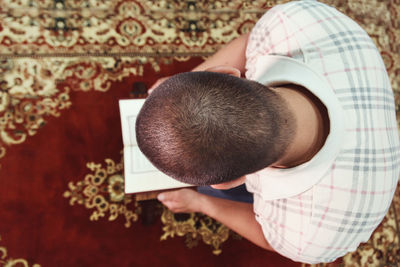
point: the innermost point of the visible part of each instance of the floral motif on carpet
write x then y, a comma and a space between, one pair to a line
6, 261
196, 227
102, 191
88, 45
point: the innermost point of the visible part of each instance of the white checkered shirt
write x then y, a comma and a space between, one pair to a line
320, 210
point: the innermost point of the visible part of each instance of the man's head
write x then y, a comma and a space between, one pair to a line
209, 128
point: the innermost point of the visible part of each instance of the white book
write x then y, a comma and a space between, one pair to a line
140, 174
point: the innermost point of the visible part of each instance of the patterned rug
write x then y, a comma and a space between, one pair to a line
63, 66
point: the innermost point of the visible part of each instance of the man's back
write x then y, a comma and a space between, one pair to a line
322, 220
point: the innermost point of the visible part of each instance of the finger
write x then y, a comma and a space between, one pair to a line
170, 195
153, 86
162, 197
167, 204
166, 196
172, 206
158, 82
225, 69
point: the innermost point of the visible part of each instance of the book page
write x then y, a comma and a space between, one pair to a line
129, 109
140, 174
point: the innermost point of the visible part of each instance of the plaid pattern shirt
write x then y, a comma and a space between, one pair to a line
320, 210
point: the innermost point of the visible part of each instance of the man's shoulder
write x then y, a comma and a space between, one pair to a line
294, 8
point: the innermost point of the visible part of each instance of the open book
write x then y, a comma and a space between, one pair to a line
140, 174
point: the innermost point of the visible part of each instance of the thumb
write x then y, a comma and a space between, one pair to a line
161, 197
165, 196
168, 196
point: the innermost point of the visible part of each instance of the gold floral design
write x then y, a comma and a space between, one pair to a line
50, 49
88, 44
116, 188
33, 90
9, 262
194, 227
103, 192
70, 27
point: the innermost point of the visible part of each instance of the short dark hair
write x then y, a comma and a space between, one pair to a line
207, 128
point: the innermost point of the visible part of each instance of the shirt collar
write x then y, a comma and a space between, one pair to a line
282, 183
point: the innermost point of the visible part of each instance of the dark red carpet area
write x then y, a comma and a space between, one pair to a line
64, 64
39, 225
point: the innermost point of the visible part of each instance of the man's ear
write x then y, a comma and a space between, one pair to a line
225, 69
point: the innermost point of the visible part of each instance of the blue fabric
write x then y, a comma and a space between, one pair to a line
237, 193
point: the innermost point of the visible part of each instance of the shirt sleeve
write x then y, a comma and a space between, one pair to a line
259, 40
286, 225
273, 34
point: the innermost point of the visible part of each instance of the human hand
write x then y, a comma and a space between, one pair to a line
157, 83
182, 200
225, 69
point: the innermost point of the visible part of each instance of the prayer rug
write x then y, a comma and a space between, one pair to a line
64, 64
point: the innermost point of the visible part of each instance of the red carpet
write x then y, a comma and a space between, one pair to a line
39, 224
64, 65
